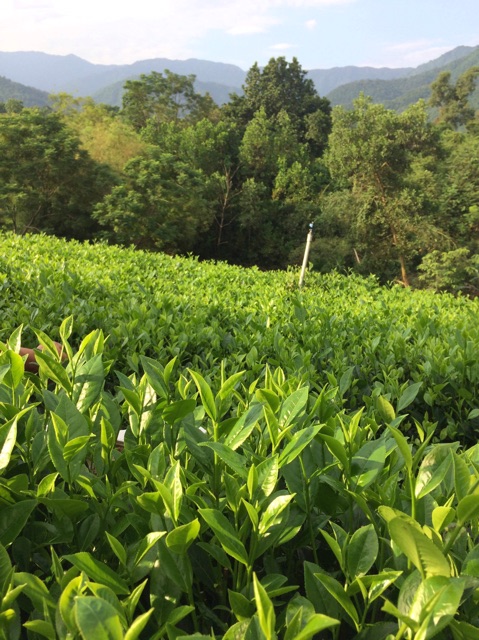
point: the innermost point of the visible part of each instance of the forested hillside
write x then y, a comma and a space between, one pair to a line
28, 96
71, 74
394, 194
401, 92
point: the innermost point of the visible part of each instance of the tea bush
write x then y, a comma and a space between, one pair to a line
296, 463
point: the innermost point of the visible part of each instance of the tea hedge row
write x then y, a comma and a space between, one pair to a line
282, 473
242, 509
376, 340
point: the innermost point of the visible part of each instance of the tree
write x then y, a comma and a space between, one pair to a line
107, 137
459, 178
452, 100
161, 206
158, 98
279, 193
257, 153
47, 182
283, 86
378, 155
212, 148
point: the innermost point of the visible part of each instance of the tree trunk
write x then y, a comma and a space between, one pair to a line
402, 262
404, 276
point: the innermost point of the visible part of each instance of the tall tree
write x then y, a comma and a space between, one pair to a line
279, 191
161, 206
158, 98
283, 86
376, 153
106, 136
452, 99
212, 148
47, 182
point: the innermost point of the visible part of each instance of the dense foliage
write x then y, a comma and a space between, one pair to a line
296, 463
394, 194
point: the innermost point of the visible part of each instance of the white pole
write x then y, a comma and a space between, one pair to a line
309, 239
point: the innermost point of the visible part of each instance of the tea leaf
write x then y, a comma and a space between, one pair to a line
154, 374
234, 460
178, 410
98, 571
66, 602
292, 406
265, 609
403, 446
242, 608
433, 470
206, 394
180, 538
272, 514
337, 449
8, 438
13, 519
137, 626
267, 472
316, 623
362, 551
42, 628
117, 548
97, 619
368, 463
243, 427
462, 477
88, 383
225, 533
408, 396
379, 583
334, 546
228, 386
416, 546
340, 595
53, 370
5, 569
146, 544
385, 409
442, 517
252, 513
467, 509
35, 590
435, 602
298, 442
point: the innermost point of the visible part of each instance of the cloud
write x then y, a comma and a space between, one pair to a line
282, 46
416, 52
311, 24
122, 31
306, 3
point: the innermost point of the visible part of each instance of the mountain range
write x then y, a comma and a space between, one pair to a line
32, 76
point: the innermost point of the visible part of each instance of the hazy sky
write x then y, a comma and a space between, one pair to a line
320, 33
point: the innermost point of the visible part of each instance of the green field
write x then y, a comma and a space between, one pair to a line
296, 463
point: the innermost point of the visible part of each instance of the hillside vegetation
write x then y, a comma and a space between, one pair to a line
28, 96
295, 463
402, 92
394, 194
71, 74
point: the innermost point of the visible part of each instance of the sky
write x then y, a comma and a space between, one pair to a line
321, 34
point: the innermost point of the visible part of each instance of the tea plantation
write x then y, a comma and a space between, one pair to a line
295, 463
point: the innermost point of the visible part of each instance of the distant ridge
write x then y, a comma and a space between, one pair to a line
30, 97
48, 73
401, 92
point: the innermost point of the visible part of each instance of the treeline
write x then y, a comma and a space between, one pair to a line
395, 194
